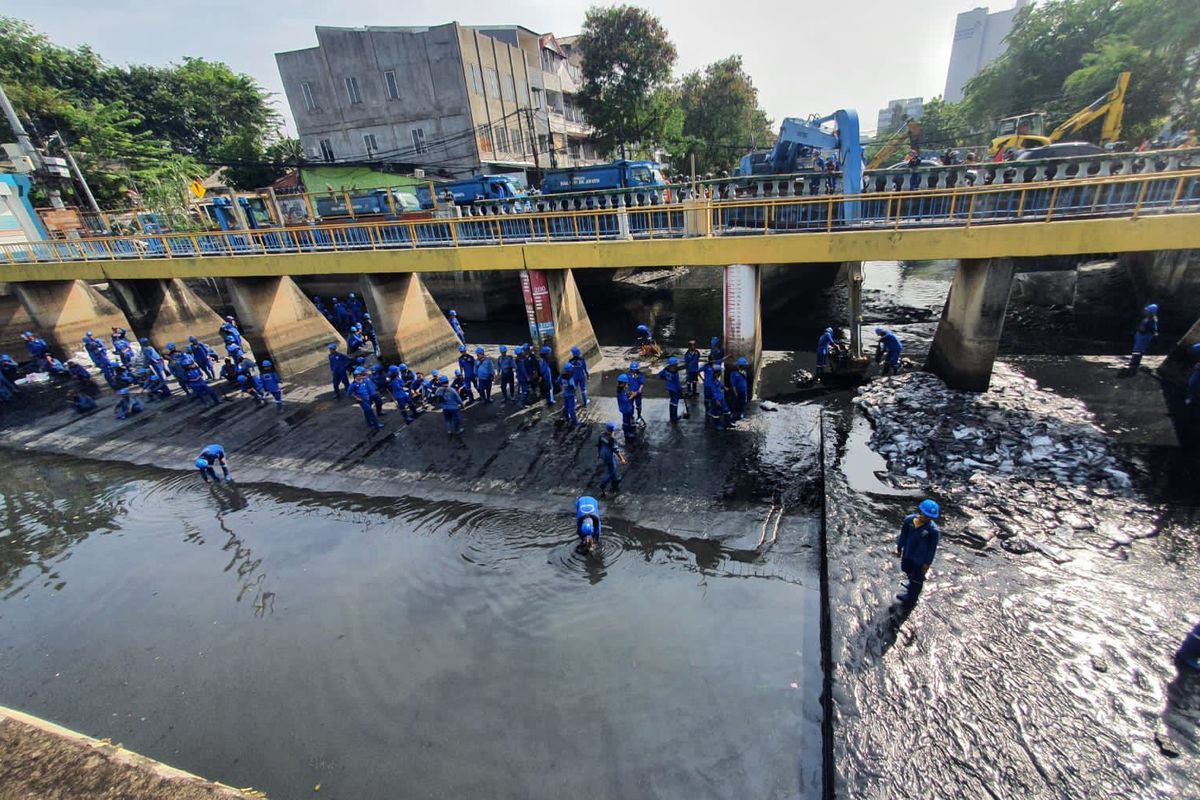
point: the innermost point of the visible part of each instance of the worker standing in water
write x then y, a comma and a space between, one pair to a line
213, 455
609, 453
916, 546
691, 360
587, 524
670, 374
508, 372
823, 346
888, 351
1144, 336
579, 372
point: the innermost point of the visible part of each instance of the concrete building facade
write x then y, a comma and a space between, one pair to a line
894, 114
978, 41
453, 99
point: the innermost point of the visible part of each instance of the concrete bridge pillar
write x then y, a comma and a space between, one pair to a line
1177, 366
742, 314
968, 335
282, 323
14, 320
408, 322
63, 311
557, 316
1170, 278
166, 311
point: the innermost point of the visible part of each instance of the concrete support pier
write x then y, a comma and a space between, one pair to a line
1170, 278
1177, 366
166, 311
63, 311
557, 315
742, 314
14, 320
410, 326
968, 334
281, 323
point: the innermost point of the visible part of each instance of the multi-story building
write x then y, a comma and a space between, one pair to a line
896, 112
978, 41
453, 99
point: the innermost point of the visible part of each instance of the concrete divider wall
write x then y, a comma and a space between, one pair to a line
968, 335
410, 326
282, 323
167, 311
63, 311
572, 326
14, 320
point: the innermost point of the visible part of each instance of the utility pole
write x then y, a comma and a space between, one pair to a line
537, 166
78, 173
23, 140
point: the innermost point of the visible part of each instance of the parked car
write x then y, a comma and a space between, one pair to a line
1060, 150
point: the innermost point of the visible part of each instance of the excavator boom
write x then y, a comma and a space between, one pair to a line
911, 132
1110, 105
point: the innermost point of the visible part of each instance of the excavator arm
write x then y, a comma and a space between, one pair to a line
1111, 106
911, 132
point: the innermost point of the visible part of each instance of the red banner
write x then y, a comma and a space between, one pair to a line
537, 305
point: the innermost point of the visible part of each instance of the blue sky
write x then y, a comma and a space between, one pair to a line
805, 57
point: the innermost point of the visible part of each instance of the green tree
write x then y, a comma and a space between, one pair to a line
721, 117
627, 59
252, 166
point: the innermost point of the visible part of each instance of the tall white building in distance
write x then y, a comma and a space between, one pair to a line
897, 112
978, 41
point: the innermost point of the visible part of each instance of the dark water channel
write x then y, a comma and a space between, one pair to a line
282, 640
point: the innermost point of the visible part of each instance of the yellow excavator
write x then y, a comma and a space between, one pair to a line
1028, 130
910, 133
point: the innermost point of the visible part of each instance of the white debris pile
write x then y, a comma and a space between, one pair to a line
1014, 431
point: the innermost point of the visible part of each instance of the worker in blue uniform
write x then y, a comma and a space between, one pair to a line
230, 328
154, 361
888, 351
363, 392
400, 393
234, 349
355, 340
718, 406
354, 305
197, 384
204, 356
79, 372
637, 381
485, 374
466, 363
508, 375
1188, 655
457, 326
127, 405
715, 353
670, 374
96, 350
1144, 336
37, 347
124, 352
566, 386
213, 455
739, 390
367, 326
451, 402
83, 403
119, 335
626, 407
341, 315
645, 339
691, 361
823, 346
339, 363
608, 451
916, 546
1193, 385
546, 374
525, 367
269, 376
9, 367
249, 384
579, 373
706, 381
587, 524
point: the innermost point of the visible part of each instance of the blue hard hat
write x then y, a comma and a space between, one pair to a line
1196, 348
453, 313
122, 391
27, 333
587, 527
366, 315
714, 340
435, 373
1152, 308
829, 330
229, 317
170, 345
633, 366
229, 339
266, 363
352, 294
545, 350
360, 371
880, 331
191, 338
332, 345
393, 370
443, 379
462, 348
457, 373
575, 351
718, 367
201, 463
403, 367
622, 378
187, 361
643, 328
143, 341
89, 333
742, 362
930, 509
612, 426
672, 361
503, 348
241, 378
478, 351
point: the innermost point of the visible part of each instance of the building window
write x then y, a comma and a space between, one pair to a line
370, 143
327, 150
309, 102
508, 89
393, 88
537, 99
476, 79
485, 140
575, 151
501, 139
518, 141
418, 139
352, 91
492, 81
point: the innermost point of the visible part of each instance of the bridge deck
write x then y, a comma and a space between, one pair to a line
1111, 214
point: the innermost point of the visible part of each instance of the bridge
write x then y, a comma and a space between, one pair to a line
981, 215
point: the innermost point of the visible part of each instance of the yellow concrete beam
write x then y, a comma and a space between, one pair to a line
1066, 237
